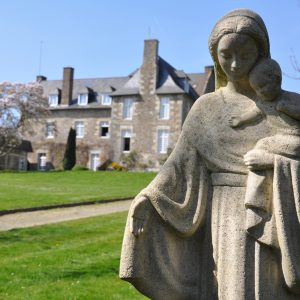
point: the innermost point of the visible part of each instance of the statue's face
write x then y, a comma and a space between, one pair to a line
237, 54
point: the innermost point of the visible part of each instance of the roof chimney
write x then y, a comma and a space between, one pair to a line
210, 79
40, 78
66, 97
208, 69
149, 69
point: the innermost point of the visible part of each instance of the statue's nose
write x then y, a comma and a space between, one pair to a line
235, 64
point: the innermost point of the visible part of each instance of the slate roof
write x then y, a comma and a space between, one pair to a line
170, 81
131, 87
97, 86
198, 82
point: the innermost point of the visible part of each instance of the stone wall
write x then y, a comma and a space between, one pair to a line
64, 119
145, 124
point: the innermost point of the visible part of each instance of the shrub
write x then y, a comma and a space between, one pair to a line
69, 160
130, 160
118, 167
79, 168
56, 170
105, 165
163, 159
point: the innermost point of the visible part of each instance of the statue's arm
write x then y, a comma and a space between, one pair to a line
290, 109
165, 193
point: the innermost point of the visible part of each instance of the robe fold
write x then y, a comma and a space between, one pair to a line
273, 216
179, 197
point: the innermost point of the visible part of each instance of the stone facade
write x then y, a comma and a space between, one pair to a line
142, 112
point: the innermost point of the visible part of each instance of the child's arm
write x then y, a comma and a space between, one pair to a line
290, 106
247, 117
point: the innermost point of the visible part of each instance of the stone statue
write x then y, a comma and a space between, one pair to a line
221, 220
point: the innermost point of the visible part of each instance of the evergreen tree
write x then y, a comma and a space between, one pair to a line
69, 160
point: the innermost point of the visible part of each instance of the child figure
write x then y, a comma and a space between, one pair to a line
282, 111
281, 108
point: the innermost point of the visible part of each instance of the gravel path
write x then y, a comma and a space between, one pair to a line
41, 217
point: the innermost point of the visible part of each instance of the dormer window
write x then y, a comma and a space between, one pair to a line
53, 100
83, 99
54, 97
106, 99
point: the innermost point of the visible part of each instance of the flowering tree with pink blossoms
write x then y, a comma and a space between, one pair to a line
21, 105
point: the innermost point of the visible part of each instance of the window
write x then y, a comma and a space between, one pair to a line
163, 141
53, 100
50, 130
127, 108
164, 108
79, 127
106, 100
126, 137
82, 99
104, 129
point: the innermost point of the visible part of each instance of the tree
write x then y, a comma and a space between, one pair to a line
295, 65
69, 160
131, 160
21, 105
164, 158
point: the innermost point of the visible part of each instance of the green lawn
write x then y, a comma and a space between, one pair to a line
71, 260
30, 189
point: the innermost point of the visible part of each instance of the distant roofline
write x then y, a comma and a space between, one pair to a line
90, 78
82, 107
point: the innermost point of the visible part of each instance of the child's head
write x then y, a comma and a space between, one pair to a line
265, 78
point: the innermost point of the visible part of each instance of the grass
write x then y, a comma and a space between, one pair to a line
30, 189
71, 260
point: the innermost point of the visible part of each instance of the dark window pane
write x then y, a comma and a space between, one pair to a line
126, 144
104, 131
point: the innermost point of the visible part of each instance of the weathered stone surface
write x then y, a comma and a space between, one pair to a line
222, 218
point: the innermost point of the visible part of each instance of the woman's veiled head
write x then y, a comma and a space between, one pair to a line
240, 21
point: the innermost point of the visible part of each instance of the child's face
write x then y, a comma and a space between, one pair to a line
266, 90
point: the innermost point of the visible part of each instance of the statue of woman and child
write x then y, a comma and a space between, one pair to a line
221, 220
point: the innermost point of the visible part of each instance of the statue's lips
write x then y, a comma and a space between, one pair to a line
236, 74
236, 71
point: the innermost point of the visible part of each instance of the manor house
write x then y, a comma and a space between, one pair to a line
141, 112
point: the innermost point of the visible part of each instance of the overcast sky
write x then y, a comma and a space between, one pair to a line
105, 38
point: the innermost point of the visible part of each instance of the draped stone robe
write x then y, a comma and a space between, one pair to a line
195, 244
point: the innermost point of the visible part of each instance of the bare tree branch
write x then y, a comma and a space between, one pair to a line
295, 65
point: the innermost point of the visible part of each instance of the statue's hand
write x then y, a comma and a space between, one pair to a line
234, 121
139, 215
258, 160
